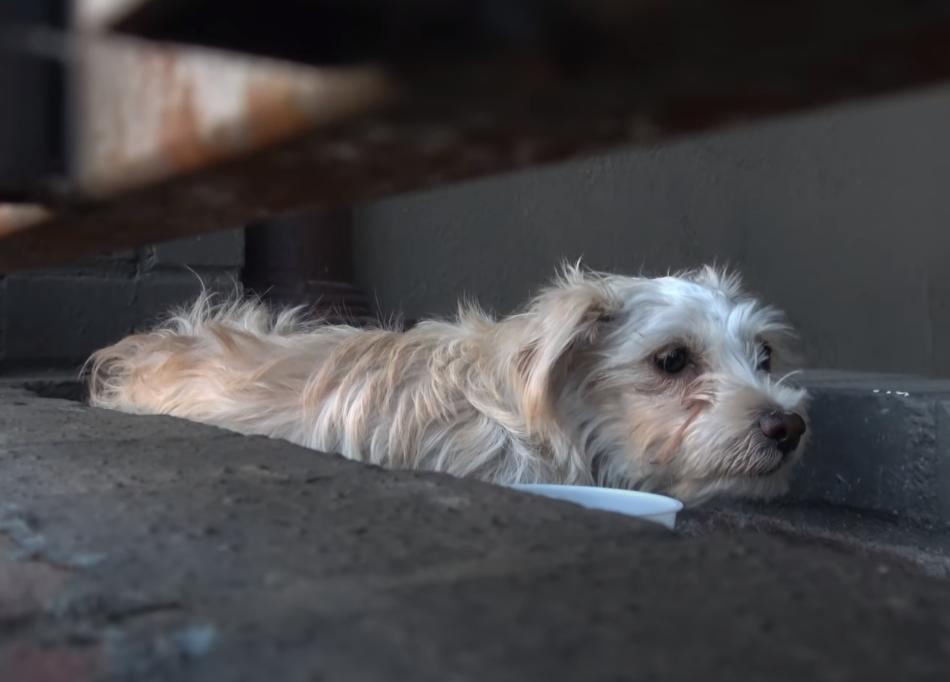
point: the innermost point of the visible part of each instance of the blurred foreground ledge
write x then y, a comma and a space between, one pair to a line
185, 117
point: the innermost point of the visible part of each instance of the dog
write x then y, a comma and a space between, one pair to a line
661, 384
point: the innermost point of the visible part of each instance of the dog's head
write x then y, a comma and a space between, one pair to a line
670, 384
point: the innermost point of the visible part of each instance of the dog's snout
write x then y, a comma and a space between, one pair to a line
785, 428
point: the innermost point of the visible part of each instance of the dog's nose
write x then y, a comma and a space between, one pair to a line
785, 428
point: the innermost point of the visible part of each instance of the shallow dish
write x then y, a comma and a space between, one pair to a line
648, 506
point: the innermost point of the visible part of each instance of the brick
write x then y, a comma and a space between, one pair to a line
59, 319
115, 264
160, 291
217, 249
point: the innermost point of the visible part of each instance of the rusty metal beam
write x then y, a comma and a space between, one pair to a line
15, 217
145, 113
633, 72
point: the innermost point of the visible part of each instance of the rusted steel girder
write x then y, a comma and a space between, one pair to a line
552, 80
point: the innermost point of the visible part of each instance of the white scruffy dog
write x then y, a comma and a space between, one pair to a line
659, 384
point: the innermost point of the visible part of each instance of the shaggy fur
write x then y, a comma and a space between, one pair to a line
568, 391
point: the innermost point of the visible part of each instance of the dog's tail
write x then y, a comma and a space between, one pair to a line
234, 364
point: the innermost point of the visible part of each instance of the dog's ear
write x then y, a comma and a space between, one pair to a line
562, 319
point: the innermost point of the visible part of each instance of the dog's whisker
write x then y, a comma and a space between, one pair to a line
788, 375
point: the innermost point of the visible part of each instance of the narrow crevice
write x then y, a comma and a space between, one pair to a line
73, 390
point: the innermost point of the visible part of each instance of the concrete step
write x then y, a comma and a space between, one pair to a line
922, 546
879, 443
150, 548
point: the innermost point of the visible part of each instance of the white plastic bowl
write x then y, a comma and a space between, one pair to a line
648, 506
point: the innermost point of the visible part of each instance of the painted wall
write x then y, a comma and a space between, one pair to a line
842, 217
57, 317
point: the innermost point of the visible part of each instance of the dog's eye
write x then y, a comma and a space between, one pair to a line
673, 361
765, 358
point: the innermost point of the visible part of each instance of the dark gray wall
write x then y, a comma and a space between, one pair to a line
842, 217
57, 317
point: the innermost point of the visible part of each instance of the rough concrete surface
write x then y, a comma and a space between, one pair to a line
147, 548
879, 443
925, 546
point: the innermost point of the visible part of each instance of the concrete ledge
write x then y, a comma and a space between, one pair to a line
924, 546
879, 443
214, 250
148, 548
